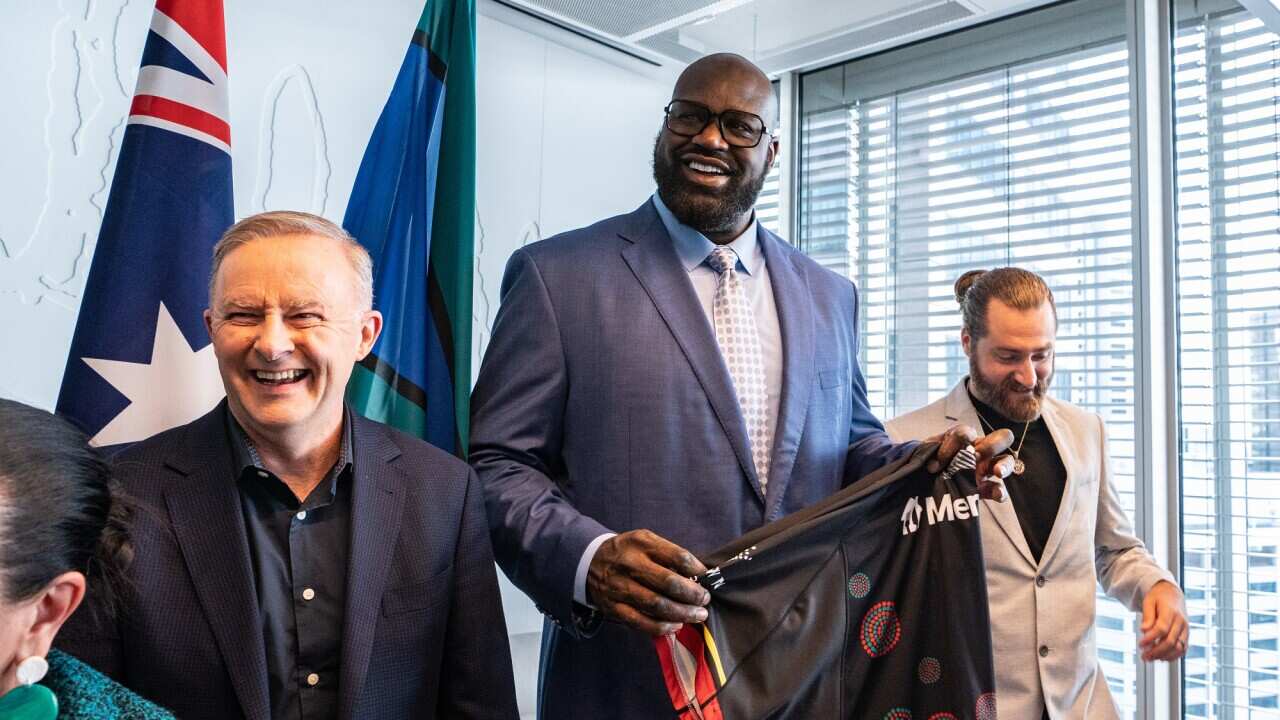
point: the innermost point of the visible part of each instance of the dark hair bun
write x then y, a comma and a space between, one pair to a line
114, 553
965, 282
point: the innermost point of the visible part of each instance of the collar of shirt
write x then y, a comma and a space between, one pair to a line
249, 464
693, 247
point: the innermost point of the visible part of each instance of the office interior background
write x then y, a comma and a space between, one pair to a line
1128, 150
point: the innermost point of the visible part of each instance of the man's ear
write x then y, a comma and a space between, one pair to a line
772, 155
51, 608
370, 329
966, 342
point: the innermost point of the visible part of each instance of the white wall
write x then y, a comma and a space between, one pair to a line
565, 137
565, 133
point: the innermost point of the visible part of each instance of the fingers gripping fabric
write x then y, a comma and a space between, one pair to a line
871, 604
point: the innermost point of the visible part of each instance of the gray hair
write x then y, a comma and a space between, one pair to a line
279, 223
1019, 289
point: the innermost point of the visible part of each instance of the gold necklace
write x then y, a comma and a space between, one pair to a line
1019, 467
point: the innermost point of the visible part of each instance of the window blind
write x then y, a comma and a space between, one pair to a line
910, 179
768, 210
1227, 128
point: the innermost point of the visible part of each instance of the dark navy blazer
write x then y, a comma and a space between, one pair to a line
423, 635
603, 404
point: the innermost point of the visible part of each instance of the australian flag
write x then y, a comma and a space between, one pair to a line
413, 207
140, 358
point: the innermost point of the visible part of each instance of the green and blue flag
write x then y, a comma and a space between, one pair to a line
413, 207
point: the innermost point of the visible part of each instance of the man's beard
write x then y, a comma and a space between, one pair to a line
704, 210
1008, 397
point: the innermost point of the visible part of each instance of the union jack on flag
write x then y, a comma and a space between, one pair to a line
182, 85
140, 359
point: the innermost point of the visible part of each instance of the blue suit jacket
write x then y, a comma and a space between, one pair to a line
423, 635
603, 404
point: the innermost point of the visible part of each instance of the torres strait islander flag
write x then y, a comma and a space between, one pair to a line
413, 207
140, 360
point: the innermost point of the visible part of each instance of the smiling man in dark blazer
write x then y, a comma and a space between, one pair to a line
295, 560
658, 384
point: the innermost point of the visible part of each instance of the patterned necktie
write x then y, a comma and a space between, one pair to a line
740, 345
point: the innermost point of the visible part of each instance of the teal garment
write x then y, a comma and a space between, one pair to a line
86, 694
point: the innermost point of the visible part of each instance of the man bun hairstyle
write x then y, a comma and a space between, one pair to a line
59, 509
1019, 289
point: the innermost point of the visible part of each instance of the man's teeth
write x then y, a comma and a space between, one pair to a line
703, 167
280, 376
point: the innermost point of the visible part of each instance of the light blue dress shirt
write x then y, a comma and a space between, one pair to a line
693, 247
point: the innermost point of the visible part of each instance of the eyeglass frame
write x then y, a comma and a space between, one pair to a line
716, 116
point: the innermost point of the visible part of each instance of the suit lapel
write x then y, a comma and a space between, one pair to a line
960, 409
376, 507
1062, 521
794, 305
653, 259
204, 508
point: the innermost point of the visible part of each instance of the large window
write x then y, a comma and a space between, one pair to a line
1227, 124
1008, 144
1014, 143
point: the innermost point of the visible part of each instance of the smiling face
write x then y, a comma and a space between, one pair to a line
706, 183
1010, 368
288, 325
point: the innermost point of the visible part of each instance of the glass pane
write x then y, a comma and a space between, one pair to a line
767, 209
1227, 127
1024, 163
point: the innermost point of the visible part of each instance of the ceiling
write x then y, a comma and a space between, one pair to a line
779, 35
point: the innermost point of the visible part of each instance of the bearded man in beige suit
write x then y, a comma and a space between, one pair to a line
1064, 529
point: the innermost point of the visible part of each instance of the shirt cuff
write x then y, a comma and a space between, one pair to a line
580, 577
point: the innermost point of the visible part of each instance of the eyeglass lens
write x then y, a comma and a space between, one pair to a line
741, 129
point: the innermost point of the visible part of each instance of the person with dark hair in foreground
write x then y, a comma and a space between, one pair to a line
295, 560
1064, 531
62, 528
658, 384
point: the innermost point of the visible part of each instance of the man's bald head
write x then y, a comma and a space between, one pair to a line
731, 70
708, 182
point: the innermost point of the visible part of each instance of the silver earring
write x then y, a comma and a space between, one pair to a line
32, 670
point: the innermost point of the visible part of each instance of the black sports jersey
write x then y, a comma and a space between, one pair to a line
870, 604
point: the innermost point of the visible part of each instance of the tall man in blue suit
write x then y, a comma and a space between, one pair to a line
294, 560
656, 385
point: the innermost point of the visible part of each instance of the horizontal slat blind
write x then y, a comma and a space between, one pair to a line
767, 204
1026, 163
767, 210
1228, 284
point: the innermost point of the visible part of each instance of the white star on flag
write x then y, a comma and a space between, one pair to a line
178, 385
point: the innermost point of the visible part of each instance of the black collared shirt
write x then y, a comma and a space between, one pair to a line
299, 552
1037, 492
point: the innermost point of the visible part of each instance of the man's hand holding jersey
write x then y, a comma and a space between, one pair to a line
643, 581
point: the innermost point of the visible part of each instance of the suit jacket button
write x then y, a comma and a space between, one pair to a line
1040, 581
1044, 651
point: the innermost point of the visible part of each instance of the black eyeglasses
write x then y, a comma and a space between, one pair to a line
738, 128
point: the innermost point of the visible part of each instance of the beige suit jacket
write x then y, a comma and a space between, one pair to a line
1042, 615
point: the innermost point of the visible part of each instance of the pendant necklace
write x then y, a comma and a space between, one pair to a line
1019, 467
